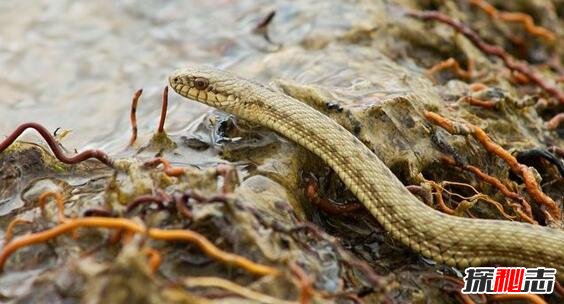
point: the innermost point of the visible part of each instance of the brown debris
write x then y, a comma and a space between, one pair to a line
494, 50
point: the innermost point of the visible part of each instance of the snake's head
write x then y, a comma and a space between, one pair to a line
207, 85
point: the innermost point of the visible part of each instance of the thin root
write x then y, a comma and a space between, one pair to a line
305, 283
9, 234
532, 186
451, 63
234, 288
42, 201
525, 215
164, 109
154, 259
168, 168
133, 116
555, 122
120, 223
531, 298
486, 104
522, 18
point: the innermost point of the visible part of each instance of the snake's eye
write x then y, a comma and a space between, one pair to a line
201, 83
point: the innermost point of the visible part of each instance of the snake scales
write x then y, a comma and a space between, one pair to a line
455, 241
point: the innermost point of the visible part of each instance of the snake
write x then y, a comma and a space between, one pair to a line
452, 240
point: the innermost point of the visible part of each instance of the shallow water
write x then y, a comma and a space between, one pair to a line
75, 65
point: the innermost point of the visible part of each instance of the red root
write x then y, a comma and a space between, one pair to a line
97, 154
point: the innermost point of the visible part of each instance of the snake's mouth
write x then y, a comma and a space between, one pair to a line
198, 89
181, 86
184, 90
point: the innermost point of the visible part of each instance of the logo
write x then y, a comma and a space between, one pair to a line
496, 280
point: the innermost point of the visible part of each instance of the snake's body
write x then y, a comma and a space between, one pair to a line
452, 240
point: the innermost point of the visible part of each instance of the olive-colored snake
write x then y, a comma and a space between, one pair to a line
452, 240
